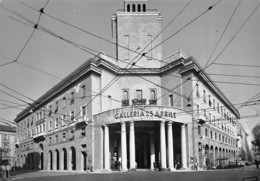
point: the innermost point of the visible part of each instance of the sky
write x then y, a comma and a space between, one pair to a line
198, 38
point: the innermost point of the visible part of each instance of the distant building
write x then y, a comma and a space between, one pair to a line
157, 113
7, 144
243, 150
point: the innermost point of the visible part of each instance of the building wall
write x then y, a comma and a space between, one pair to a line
135, 30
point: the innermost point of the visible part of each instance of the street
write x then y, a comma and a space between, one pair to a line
212, 175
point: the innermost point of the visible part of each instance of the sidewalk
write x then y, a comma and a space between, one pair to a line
22, 174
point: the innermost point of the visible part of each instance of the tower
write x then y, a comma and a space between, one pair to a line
133, 30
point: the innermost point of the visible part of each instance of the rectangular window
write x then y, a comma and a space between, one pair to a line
209, 101
206, 132
56, 139
199, 130
64, 102
50, 110
72, 98
214, 104
83, 132
64, 136
50, 125
171, 100
153, 97
43, 127
83, 110
50, 142
216, 136
218, 107
197, 90
139, 95
63, 120
83, 91
198, 109
72, 116
219, 137
56, 123
204, 95
210, 118
211, 135
57, 107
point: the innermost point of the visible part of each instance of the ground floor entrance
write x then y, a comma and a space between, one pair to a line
143, 145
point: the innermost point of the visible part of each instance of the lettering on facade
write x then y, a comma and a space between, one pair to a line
134, 114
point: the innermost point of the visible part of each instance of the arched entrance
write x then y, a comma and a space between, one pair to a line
73, 158
216, 156
201, 148
207, 159
211, 155
50, 160
64, 152
41, 157
57, 159
84, 161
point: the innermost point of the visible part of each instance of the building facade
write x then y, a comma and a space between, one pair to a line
7, 144
134, 111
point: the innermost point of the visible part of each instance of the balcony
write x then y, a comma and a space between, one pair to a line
201, 119
82, 122
39, 137
153, 102
139, 101
125, 102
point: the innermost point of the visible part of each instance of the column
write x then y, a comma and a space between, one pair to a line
183, 147
132, 146
163, 145
170, 147
123, 146
152, 151
106, 147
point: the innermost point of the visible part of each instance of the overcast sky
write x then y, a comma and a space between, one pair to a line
58, 58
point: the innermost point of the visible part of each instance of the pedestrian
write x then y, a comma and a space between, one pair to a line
3, 171
257, 164
196, 165
8, 168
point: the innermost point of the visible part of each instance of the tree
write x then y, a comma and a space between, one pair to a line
256, 133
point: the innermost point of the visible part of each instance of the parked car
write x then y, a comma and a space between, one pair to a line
241, 163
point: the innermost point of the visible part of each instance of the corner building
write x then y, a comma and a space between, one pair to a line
138, 109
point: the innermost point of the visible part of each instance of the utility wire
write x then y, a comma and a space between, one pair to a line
233, 75
239, 65
223, 33
197, 17
31, 35
82, 30
233, 36
216, 45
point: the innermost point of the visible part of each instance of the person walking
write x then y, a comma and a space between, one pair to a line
3, 171
257, 164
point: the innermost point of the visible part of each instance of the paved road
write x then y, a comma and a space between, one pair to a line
214, 175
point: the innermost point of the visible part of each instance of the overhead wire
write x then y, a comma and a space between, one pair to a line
239, 65
216, 45
187, 24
